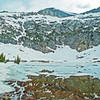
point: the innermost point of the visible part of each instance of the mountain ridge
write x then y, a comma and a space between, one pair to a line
55, 12
95, 10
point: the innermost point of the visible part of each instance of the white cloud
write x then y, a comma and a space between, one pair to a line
14, 6
66, 5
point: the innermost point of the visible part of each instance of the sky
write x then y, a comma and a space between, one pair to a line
76, 6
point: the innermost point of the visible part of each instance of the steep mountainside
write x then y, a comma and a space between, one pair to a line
45, 33
93, 11
55, 12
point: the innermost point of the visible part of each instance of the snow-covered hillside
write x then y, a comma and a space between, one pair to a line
62, 54
32, 36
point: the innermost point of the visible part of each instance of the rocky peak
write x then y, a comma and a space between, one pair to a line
55, 12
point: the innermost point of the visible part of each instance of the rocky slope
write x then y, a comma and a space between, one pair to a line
44, 33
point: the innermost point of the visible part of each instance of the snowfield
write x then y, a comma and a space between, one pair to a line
61, 54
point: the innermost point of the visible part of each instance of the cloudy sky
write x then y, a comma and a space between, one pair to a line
76, 6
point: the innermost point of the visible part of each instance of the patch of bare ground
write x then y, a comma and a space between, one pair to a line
51, 87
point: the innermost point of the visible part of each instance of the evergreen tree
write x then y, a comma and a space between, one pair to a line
17, 60
2, 58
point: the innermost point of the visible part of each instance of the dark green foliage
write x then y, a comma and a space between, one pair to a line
2, 58
17, 60
6, 60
